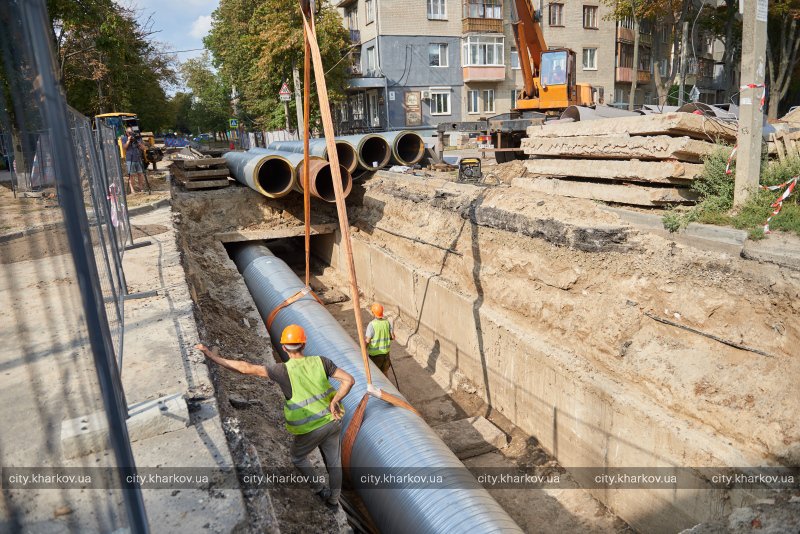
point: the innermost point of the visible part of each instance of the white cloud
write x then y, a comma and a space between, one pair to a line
201, 26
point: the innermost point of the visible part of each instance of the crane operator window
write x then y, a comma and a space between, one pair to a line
554, 68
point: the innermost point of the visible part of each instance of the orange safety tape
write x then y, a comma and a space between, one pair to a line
294, 298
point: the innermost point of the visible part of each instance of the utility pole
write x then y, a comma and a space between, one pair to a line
751, 116
298, 99
684, 53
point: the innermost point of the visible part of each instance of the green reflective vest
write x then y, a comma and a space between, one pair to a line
382, 339
309, 407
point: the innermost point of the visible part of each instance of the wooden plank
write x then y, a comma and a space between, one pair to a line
636, 195
620, 147
206, 184
202, 174
791, 148
276, 233
675, 124
199, 162
665, 172
778, 146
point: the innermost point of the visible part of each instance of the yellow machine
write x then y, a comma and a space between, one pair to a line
120, 123
549, 75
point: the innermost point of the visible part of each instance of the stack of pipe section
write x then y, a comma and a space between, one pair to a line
390, 438
318, 147
373, 150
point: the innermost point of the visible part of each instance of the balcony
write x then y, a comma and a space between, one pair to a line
481, 25
624, 35
355, 36
496, 73
625, 75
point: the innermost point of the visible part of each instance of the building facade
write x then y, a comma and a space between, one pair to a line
418, 63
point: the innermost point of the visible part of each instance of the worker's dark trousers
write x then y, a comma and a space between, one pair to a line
327, 439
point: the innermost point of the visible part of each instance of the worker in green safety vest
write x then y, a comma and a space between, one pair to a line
313, 411
379, 337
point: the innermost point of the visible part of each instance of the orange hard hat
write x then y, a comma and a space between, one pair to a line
293, 335
377, 310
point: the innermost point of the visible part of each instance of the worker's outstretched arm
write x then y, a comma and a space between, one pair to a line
246, 368
346, 380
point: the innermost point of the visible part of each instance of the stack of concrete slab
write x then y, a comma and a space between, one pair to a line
201, 173
647, 160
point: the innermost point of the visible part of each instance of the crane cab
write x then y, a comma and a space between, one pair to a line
554, 89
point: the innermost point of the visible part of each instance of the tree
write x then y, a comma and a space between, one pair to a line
783, 42
724, 23
255, 45
210, 95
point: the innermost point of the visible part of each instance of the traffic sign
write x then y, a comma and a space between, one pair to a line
234, 123
285, 94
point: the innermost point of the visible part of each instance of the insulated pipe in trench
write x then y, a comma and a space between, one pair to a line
390, 437
373, 150
408, 147
318, 147
272, 175
320, 176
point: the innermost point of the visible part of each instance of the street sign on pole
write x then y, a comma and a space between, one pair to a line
234, 123
285, 94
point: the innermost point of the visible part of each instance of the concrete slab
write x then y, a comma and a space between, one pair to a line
620, 147
687, 124
621, 194
663, 172
778, 248
87, 434
471, 437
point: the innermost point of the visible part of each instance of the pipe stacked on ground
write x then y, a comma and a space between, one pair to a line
390, 438
317, 147
272, 175
319, 170
408, 147
373, 150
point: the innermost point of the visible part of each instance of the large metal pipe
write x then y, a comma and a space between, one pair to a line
583, 113
408, 147
373, 150
390, 437
319, 173
318, 147
272, 175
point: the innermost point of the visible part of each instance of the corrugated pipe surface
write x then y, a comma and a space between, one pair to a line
318, 147
408, 147
270, 174
373, 150
390, 437
320, 175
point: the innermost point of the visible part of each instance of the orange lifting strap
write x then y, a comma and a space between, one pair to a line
312, 49
294, 298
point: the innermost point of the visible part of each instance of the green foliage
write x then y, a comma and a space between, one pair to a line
255, 45
210, 100
716, 193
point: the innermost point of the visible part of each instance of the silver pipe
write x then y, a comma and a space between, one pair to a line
390, 437
408, 147
272, 175
318, 147
373, 151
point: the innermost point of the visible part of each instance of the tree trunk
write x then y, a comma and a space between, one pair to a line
635, 76
774, 101
684, 46
727, 55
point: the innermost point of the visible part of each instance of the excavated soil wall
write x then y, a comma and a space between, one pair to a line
549, 307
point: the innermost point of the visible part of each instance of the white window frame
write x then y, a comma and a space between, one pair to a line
477, 9
473, 101
369, 62
497, 44
515, 64
594, 57
590, 9
437, 9
374, 110
514, 97
488, 98
443, 55
441, 91
358, 107
369, 11
560, 22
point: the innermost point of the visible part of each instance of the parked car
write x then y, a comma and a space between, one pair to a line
203, 138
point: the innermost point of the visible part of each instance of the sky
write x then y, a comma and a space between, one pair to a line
182, 23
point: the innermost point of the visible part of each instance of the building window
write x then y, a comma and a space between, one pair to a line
357, 103
589, 59
514, 58
437, 55
437, 9
374, 116
351, 16
514, 97
370, 66
626, 22
664, 35
488, 101
662, 68
590, 17
484, 9
482, 51
472, 101
645, 61
440, 102
556, 14
369, 10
